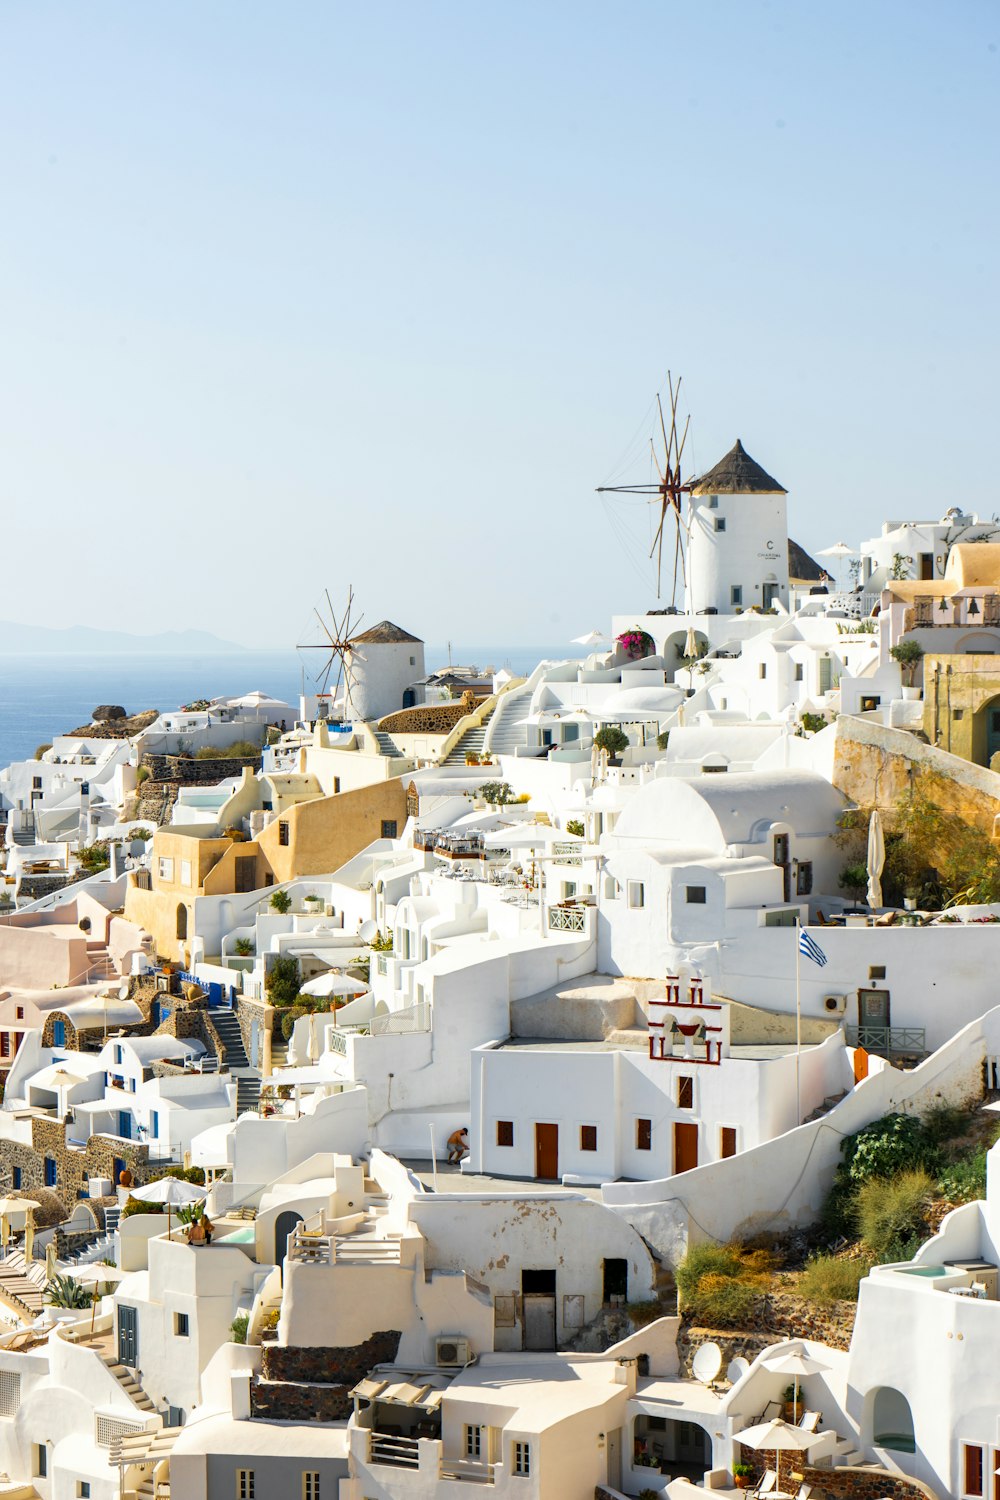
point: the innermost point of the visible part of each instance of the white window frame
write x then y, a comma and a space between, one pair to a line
185, 872
165, 868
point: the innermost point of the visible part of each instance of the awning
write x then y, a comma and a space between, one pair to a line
143, 1447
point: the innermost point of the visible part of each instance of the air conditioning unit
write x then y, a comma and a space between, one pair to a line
451, 1352
835, 1005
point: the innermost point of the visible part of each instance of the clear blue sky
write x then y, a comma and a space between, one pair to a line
296, 295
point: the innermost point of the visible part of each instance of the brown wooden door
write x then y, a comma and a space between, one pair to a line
547, 1151
685, 1146
246, 873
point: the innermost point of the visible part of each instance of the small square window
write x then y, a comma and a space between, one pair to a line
644, 1135
284, 836
727, 1141
636, 894
800, 672
696, 895
20, 1012
181, 1326
736, 595
83, 1489
389, 828
685, 1093
588, 1137
804, 878
876, 971
505, 1132
165, 868
720, 523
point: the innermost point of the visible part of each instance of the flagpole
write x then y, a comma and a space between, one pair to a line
798, 1021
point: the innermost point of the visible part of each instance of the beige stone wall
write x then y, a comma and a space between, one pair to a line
958, 691
324, 834
874, 766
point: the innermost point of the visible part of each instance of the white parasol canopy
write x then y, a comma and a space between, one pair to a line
333, 983
592, 638
778, 1435
173, 1192
798, 1364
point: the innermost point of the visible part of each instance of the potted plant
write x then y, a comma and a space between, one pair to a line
854, 880
614, 740
244, 947
742, 1476
635, 643
793, 1408
908, 654
281, 902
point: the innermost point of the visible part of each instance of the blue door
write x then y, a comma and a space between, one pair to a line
214, 995
128, 1336
58, 1033
125, 1124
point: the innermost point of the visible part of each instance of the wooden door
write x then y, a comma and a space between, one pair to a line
246, 873
873, 1008
685, 1146
547, 1152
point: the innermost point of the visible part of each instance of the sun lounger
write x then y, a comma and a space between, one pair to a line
766, 1483
810, 1421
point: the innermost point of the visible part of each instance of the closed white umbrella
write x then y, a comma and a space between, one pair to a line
691, 642
876, 859
312, 1048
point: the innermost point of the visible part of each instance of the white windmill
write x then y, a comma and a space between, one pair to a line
341, 654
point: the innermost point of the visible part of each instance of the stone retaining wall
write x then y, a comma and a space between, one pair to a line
184, 772
315, 1383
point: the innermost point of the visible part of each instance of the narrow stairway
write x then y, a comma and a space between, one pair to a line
247, 1078
386, 744
128, 1383
471, 743
506, 732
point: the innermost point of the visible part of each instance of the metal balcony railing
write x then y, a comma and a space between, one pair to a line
567, 919
886, 1040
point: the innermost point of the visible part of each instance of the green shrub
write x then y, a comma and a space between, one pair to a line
573, 825
381, 943
642, 1313
66, 1291
827, 1278
892, 1212
243, 749
289, 1018
143, 774
138, 1206
965, 1180
281, 902
194, 1175
705, 1260
853, 879
663, 739
238, 1328
282, 982
724, 1302
94, 857
244, 947
497, 793
813, 723
895, 1143
944, 1123
611, 738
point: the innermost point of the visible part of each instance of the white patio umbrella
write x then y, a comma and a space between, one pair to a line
691, 642
334, 984
174, 1192
798, 1364
592, 638
839, 550
778, 1435
876, 859
95, 1275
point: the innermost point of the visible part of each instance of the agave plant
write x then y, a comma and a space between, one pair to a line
66, 1291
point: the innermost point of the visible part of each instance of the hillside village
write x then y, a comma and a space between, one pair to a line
574, 1086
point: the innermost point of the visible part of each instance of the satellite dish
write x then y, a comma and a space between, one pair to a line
367, 930
123, 992
707, 1363
737, 1369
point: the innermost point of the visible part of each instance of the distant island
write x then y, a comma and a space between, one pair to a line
83, 640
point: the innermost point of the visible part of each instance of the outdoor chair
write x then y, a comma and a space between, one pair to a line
766, 1483
811, 1421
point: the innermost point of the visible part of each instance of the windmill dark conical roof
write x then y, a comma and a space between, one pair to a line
385, 633
737, 474
803, 567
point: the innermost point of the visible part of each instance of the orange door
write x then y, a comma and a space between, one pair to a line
547, 1151
685, 1146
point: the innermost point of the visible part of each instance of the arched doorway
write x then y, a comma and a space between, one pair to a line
182, 922
986, 732
284, 1224
892, 1421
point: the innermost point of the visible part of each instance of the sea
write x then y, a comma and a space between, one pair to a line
45, 695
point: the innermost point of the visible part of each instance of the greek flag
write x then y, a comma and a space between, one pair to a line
809, 948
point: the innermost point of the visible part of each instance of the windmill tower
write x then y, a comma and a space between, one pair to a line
367, 674
737, 537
